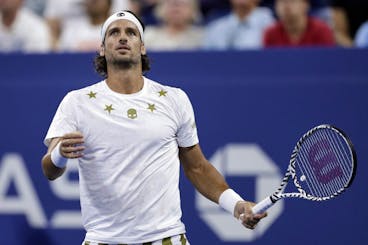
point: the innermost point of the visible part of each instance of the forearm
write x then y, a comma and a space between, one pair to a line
59, 151
207, 180
49, 169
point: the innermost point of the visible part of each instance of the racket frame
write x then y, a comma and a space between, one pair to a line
291, 173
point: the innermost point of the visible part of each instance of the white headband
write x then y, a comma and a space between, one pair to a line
121, 15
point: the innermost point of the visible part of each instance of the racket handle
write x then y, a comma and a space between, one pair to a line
262, 206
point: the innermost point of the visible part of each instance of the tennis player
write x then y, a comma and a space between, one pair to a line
129, 134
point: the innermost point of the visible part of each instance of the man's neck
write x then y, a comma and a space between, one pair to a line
125, 81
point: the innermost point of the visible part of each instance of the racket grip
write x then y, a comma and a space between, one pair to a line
262, 206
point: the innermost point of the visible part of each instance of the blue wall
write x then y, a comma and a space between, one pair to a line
268, 98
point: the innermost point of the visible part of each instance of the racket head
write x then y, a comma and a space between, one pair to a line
323, 163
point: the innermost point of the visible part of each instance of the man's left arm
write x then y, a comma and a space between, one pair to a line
211, 184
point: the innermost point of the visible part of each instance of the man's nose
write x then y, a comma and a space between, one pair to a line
123, 38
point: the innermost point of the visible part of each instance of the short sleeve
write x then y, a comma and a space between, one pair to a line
187, 131
63, 121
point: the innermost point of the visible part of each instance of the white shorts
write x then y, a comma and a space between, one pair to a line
174, 240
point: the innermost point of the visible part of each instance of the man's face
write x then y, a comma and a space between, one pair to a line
291, 9
123, 43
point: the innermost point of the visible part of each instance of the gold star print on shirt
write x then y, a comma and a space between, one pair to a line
109, 108
92, 95
151, 107
162, 93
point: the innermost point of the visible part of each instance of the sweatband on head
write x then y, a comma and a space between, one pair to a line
121, 15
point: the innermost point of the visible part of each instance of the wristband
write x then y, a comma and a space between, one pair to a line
228, 200
57, 159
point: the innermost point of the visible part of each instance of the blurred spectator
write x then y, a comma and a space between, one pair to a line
321, 10
241, 29
21, 30
177, 30
145, 10
347, 16
318, 8
58, 12
212, 9
361, 38
296, 28
37, 6
82, 34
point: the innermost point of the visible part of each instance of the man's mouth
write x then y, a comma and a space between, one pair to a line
123, 47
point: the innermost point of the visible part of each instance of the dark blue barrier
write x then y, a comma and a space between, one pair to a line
251, 108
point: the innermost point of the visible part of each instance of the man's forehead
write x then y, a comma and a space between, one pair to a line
122, 24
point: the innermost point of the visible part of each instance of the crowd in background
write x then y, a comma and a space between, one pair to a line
74, 25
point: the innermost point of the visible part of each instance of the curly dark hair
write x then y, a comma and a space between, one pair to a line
100, 63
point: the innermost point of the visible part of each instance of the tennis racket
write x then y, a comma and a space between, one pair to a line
322, 166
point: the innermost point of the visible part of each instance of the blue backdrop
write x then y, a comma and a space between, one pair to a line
249, 106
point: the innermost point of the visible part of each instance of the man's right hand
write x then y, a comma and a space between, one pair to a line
71, 145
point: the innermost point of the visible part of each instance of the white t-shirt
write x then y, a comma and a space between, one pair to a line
129, 174
28, 33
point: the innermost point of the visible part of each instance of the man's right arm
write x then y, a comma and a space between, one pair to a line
69, 146
49, 169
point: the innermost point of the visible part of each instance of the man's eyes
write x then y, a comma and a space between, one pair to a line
114, 32
131, 32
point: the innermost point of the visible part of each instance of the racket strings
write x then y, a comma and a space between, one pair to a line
343, 154
325, 150
307, 172
324, 159
334, 144
310, 178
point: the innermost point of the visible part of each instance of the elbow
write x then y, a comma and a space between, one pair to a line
48, 170
47, 173
49, 176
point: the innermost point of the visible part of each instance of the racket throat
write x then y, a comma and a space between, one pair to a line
274, 198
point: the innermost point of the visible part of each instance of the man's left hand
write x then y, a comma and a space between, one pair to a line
243, 211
